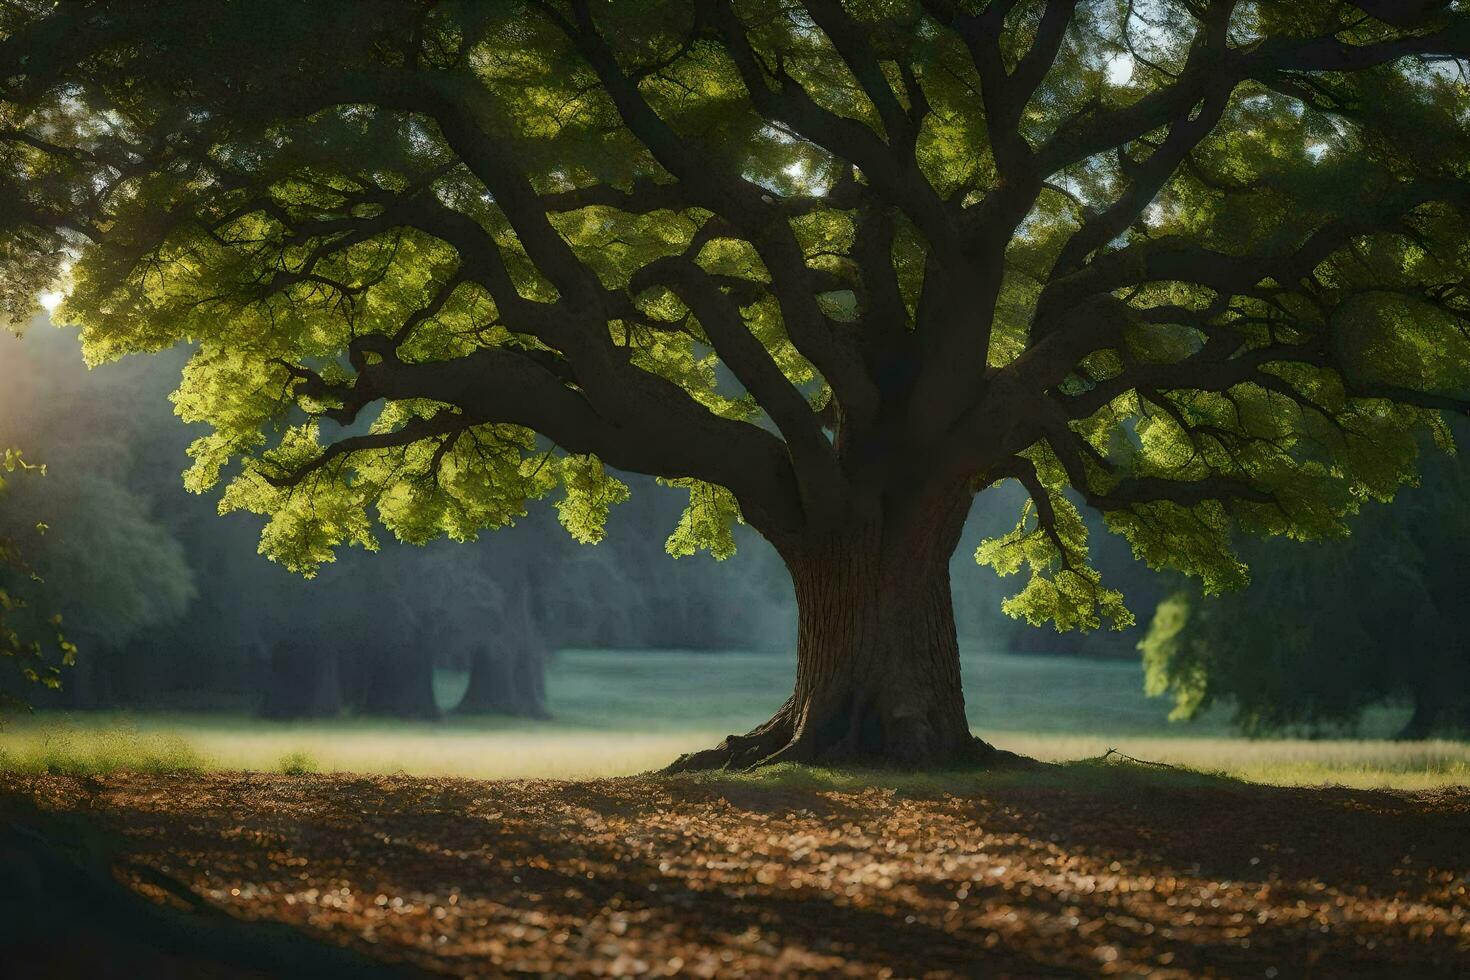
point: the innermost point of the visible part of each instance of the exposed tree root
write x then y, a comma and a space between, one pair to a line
759, 746
779, 740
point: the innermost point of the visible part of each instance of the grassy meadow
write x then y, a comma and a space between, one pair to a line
623, 712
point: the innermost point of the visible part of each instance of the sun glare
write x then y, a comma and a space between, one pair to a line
51, 301
1120, 69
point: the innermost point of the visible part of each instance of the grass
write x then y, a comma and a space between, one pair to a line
618, 713
1111, 773
182, 743
73, 750
298, 763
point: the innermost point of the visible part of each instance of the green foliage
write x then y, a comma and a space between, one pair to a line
101, 561
1063, 588
298, 763
110, 567
708, 522
32, 645
589, 492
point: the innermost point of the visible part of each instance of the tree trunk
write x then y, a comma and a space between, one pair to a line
509, 678
401, 685
1420, 723
505, 681
90, 683
877, 660
302, 683
1441, 687
1441, 709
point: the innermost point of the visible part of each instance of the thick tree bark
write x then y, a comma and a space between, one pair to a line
1421, 723
878, 668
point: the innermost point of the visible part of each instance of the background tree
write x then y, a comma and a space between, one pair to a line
1201, 262
34, 649
1323, 633
111, 569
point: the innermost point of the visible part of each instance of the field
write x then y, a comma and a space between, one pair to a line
618, 713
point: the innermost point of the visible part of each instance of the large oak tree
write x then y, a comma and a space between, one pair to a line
834, 268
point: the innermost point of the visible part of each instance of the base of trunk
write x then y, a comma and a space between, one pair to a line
785, 739
302, 683
877, 659
1432, 719
400, 684
510, 681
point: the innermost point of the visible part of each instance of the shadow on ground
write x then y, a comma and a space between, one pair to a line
1070, 871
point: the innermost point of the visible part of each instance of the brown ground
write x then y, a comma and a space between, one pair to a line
1076, 873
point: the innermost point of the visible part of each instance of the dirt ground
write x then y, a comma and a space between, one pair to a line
1081, 873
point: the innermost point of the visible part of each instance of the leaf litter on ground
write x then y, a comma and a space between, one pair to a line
1100, 868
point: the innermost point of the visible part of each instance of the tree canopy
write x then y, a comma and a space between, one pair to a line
1220, 288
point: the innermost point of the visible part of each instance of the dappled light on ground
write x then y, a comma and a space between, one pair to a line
1084, 870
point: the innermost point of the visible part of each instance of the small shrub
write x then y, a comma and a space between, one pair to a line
298, 763
172, 755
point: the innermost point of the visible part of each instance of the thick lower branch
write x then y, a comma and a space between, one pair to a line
504, 385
